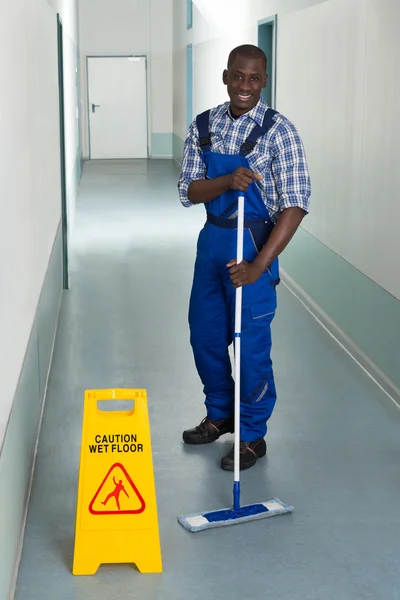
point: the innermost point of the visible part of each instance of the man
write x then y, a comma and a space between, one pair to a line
242, 146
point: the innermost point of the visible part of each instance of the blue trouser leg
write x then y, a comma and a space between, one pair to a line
210, 330
258, 393
211, 319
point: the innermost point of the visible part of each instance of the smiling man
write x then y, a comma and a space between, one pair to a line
242, 146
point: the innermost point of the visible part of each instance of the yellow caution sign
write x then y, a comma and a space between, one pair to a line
116, 518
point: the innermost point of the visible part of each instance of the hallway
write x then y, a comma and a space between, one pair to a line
333, 443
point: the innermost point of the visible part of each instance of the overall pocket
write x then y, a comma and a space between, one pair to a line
263, 310
273, 269
260, 233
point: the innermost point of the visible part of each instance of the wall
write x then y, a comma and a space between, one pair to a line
215, 32
30, 246
126, 27
336, 80
68, 10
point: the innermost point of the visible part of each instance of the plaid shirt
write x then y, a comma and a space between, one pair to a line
279, 157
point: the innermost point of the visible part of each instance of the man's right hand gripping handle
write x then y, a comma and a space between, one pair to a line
205, 190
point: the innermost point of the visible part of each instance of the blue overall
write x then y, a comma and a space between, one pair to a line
212, 302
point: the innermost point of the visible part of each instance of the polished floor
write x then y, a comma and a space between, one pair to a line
334, 439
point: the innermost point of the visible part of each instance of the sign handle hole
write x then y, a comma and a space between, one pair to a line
116, 405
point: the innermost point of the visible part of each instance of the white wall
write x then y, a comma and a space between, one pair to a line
68, 10
29, 176
215, 32
161, 65
347, 101
126, 27
337, 81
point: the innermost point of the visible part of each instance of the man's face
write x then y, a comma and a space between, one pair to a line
245, 78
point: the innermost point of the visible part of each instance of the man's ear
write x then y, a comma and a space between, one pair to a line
265, 81
225, 77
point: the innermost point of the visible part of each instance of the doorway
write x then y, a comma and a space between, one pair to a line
117, 107
267, 29
78, 114
189, 85
64, 215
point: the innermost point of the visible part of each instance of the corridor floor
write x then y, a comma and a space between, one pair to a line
333, 441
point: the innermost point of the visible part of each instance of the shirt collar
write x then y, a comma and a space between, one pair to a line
256, 114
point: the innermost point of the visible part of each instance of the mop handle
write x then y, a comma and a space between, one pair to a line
238, 330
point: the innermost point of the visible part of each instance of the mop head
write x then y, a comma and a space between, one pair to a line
230, 516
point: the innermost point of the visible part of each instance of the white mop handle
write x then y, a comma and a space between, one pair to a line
238, 330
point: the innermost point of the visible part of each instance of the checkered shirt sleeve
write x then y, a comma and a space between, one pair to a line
193, 166
290, 169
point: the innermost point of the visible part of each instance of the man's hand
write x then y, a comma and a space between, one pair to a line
204, 190
243, 273
242, 178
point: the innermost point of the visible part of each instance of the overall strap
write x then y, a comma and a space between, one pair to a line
258, 132
203, 125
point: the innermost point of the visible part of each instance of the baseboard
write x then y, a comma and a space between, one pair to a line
162, 156
177, 163
17, 459
342, 338
178, 145
32, 470
161, 145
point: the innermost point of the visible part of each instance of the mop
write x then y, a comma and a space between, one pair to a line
251, 512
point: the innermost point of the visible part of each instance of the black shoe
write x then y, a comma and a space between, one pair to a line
249, 453
208, 431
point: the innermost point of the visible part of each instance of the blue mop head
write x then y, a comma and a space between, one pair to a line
230, 516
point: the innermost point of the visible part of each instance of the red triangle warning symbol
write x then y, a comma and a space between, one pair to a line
117, 494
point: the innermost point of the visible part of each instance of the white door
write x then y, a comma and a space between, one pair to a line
117, 107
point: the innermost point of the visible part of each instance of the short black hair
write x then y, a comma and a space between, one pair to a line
247, 51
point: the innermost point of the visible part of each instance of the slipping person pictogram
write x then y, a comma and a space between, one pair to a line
119, 487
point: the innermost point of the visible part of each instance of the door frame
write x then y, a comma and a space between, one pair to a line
189, 14
273, 74
189, 51
146, 58
79, 119
64, 207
